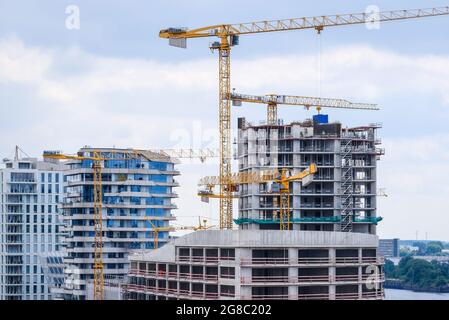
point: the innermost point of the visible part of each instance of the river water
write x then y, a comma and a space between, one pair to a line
394, 294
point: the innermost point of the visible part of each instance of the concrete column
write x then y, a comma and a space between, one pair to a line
332, 273
293, 272
242, 272
361, 284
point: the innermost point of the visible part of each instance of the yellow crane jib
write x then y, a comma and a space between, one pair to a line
156, 230
282, 178
272, 101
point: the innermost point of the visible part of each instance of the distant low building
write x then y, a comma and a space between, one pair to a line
410, 249
389, 248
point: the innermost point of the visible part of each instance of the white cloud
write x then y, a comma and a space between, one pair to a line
415, 173
21, 64
67, 98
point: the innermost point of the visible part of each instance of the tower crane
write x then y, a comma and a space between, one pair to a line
97, 157
272, 101
228, 36
282, 178
156, 229
97, 161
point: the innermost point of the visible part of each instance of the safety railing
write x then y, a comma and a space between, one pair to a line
174, 275
318, 260
356, 296
200, 259
311, 261
269, 297
265, 261
312, 279
314, 296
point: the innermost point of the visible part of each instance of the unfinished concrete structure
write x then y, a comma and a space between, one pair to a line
259, 265
342, 196
330, 251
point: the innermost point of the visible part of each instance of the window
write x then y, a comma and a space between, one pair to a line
227, 272
42, 177
57, 177
49, 177
24, 165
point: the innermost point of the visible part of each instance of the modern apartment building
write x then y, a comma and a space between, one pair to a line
30, 192
342, 196
137, 188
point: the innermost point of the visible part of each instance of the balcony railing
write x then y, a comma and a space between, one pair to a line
312, 260
314, 296
173, 275
312, 279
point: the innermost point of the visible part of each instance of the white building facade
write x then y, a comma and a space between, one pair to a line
30, 191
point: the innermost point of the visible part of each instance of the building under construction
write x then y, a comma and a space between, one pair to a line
329, 250
342, 196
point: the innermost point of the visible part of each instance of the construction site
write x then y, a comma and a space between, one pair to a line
298, 200
307, 196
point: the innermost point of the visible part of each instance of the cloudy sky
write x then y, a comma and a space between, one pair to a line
113, 82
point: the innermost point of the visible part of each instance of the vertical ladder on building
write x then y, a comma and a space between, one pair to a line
347, 189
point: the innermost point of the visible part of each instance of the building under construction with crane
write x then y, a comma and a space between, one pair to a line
137, 192
328, 244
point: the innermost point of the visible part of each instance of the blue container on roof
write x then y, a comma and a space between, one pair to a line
321, 118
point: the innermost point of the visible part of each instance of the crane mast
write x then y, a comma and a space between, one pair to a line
228, 35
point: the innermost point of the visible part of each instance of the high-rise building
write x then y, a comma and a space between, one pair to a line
29, 225
137, 188
330, 251
342, 196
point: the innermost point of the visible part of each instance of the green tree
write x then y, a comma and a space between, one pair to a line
434, 247
390, 269
423, 274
